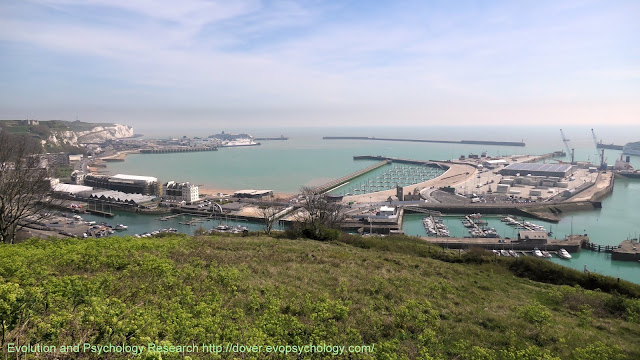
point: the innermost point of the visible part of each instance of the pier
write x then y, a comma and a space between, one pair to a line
178, 149
335, 183
462, 142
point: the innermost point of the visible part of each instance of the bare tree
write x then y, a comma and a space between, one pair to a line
319, 213
24, 185
268, 215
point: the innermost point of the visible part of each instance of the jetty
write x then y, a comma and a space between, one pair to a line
462, 142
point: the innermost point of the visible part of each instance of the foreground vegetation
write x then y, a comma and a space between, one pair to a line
410, 299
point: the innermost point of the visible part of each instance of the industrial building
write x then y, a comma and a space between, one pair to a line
552, 170
179, 192
133, 184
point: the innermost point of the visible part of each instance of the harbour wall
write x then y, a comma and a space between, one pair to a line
546, 212
464, 142
400, 160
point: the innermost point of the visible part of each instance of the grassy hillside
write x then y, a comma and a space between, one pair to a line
393, 295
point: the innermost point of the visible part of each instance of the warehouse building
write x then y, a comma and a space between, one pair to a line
554, 170
132, 184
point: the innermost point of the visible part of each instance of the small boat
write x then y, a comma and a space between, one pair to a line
513, 253
546, 255
564, 254
537, 253
121, 227
504, 253
496, 252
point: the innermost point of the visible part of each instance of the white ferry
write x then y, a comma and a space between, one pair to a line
632, 148
239, 142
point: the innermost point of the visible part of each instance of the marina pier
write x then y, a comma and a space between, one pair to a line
334, 183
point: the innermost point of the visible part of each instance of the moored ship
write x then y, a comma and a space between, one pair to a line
632, 148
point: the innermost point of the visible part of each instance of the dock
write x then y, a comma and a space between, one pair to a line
463, 142
628, 250
100, 212
335, 183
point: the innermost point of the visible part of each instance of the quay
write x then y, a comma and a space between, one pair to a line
178, 149
335, 183
464, 142
626, 251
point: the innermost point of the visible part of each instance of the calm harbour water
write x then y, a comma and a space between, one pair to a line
307, 159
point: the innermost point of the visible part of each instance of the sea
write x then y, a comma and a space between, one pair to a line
306, 159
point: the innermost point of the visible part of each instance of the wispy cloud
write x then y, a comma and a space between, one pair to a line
396, 58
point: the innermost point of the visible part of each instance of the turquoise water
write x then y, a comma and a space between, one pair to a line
307, 159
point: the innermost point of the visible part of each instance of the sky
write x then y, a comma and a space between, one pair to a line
252, 63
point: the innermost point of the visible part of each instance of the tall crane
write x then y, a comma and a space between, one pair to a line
599, 154
566, 145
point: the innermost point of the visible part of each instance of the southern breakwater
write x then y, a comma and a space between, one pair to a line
463, 142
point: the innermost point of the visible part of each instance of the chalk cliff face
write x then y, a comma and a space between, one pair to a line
96, 135
103, 133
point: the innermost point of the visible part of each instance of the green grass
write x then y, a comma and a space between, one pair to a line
411, 300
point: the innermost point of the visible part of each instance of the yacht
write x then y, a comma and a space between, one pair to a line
546, 255
504, 253
564, 254
537, 252
513, 253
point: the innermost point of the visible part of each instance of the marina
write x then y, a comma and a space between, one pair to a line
388, 178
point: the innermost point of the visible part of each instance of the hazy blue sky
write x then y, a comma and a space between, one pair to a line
286, 63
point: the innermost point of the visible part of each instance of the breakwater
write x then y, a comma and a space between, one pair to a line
464, 142
334, 183
610, 146
399, 160
272, 138
177, 149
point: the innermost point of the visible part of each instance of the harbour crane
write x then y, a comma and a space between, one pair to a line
599, 154
566, 145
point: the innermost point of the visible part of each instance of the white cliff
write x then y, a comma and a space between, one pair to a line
98, 134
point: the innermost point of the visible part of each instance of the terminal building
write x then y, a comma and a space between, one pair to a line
131, 184
549, 170
179, 192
